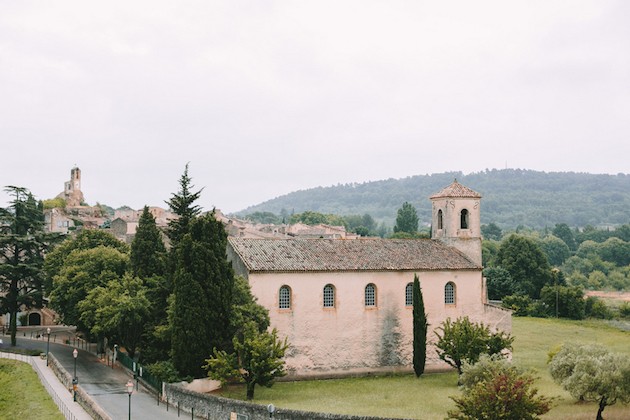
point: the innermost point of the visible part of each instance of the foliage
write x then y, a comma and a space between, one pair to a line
592, 373
203, 287
491, 232
119, 310
499, 283
257, 359
564, 232
312, 218
555, 249
420, 327
564, 301
245, 309
595, 307
506, 394
148, 253
182, 204
23, 245
264, 217
487, 367
84, 270
406, 219
526, 263
164, 371
54, 203
464, 341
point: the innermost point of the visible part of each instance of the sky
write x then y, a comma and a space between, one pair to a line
263, 98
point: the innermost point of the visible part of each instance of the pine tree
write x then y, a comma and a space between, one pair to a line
203, 287
420, 326
181, 203
406, 219
148, 253
23, 244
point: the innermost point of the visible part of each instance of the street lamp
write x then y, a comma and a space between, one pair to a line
271, 409
47, 345
129, 391
75, 380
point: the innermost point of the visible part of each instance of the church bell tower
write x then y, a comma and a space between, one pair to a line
456, 219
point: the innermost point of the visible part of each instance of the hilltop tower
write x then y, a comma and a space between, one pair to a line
456, 219
72, 189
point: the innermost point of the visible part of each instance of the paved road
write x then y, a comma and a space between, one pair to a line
106, 385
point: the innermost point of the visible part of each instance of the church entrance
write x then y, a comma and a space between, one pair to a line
34, 318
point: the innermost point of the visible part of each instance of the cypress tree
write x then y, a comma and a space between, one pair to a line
147, 249
181, 203
420, 326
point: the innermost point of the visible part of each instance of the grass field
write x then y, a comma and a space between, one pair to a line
428, 397
22, 395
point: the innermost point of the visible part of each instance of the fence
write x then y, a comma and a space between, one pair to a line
140, 372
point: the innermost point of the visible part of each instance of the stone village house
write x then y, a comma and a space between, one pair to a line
345, 305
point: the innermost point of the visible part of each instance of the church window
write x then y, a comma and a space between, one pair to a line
440, 219
370, 295
409, 294
284, 298
449, 293
329, 296
464, 219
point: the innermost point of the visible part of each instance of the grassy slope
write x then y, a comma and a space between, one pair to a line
427, 397
22, 395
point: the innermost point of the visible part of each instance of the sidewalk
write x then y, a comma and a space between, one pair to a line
60, 395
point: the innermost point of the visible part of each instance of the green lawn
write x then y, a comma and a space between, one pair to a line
428, 397
22, 395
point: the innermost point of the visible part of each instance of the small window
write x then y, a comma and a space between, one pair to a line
449, 293
409, 294
464, 217
440, 219
370, 295
329, 296
284, 298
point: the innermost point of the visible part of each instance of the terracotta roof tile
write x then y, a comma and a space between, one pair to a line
268, 255
456, 190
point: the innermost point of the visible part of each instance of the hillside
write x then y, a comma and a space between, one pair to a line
511, 197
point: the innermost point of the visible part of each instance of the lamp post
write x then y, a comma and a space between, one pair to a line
271, 409
47, 345
75, 380
129, 391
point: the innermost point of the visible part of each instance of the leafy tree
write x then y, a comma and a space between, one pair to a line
182, 204
489, 252
564, 232
597, 308
406, 219
245, 309
420, 327
491, 232
264, 217
83, 271
526, 263
148, 253
520, 304
257, 359
494, 389
499, 283
592, 373
464, 341
23, 244
118, 310
55, 203
564, 301
556, 250
314, 218
203, 287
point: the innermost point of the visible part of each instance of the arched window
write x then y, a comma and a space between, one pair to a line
284, 298
329, 296
370, 295
464, 219
409, 294
440, 219
449, 293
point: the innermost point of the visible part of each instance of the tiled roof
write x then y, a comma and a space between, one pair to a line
456, 190
269, 255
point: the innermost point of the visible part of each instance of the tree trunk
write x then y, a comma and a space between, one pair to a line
250, 390
602, 405
13, 327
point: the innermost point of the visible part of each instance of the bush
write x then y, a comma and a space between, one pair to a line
597, 308
164, 371
564, 301
485, 369
520, 304
624, 310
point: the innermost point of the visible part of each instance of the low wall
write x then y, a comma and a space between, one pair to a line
214, 407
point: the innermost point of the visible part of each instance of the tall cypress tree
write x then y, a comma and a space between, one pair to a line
420, 326
203, 287
148, 253
181, 203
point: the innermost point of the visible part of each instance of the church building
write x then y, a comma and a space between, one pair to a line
346, 304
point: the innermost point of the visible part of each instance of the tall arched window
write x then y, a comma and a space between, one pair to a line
284, 297
409, 294
370, 295
464, 219
329, 296
440, 219
449, 293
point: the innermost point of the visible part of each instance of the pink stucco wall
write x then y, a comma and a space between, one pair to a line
351, 338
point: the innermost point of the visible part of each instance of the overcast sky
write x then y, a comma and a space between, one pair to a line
264, 98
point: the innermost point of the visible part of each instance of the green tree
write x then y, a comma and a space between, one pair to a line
526, 263
148, 254
491, 232
564, 301
497, 390
182, 204
257, 359
420, 327
203, 287
564, 232
83, 271
556, 250
245, 309
464, 341
119, 310
499, 283
592, 373
406, 219
23, 244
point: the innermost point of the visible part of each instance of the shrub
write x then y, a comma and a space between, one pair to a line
624, 310
597, 308
164, 371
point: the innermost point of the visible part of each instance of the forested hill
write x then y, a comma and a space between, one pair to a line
511, 197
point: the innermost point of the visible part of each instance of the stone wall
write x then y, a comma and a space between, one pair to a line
214, 407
